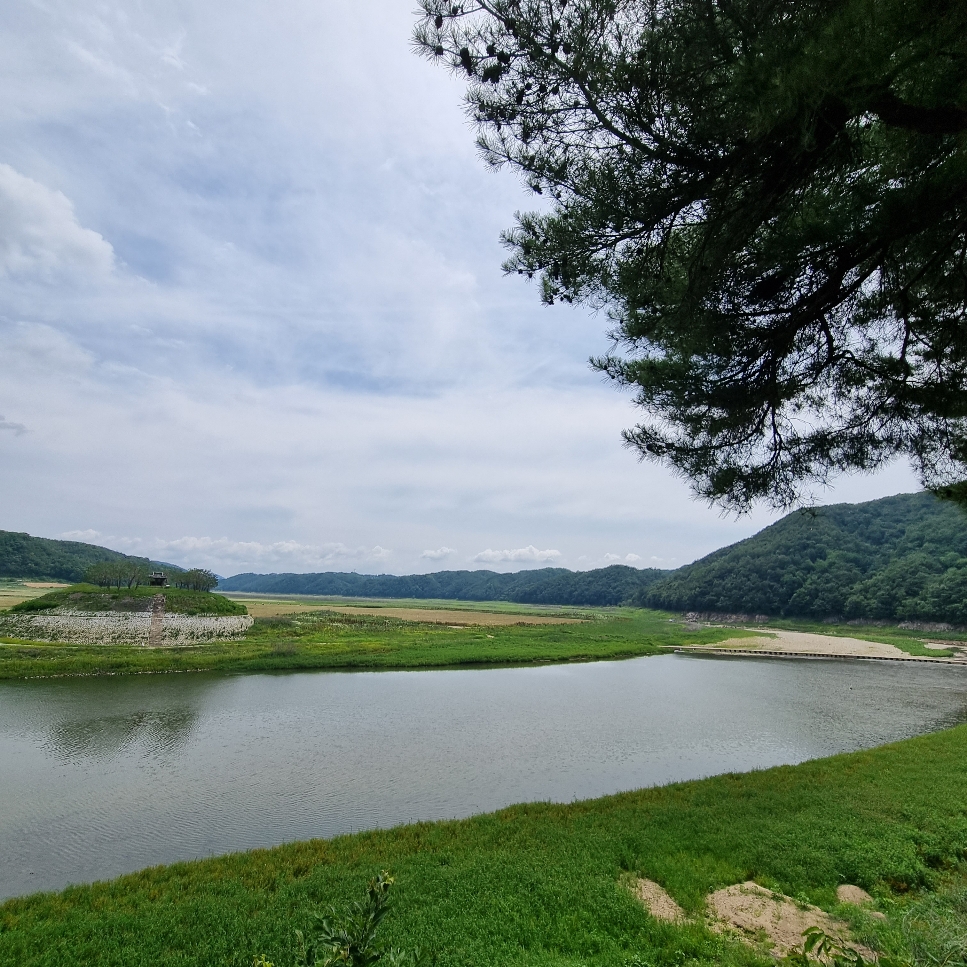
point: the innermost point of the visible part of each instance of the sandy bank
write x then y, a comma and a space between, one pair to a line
810, 644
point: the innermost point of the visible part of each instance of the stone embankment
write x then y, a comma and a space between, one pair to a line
153, 628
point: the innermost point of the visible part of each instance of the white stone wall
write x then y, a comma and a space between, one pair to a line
121, 627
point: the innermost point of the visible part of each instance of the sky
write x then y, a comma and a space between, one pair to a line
252, 315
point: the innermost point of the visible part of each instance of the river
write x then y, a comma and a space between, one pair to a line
101, 776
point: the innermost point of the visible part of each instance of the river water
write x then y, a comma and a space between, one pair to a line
101, 776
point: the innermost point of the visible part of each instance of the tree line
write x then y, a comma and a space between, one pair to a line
607, 586
130, 573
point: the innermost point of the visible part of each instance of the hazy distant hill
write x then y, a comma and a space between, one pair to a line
900, 558
23, 556
550, 585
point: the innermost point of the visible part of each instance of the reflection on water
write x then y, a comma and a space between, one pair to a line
157, 732
105, 775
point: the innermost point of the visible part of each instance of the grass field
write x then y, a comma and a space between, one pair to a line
541, 884
300, 632
88, 597
14, 591
329, 639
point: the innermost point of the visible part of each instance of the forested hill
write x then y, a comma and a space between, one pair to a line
23, 556
550, 585
901, 558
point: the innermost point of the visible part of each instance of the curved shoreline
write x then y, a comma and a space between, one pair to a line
779, 643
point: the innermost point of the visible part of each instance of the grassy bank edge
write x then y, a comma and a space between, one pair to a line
322, 640
540, 883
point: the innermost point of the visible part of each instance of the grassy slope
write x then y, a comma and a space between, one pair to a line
88, 597
539, 884
333, 640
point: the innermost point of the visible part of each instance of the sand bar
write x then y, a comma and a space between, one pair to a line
808, 643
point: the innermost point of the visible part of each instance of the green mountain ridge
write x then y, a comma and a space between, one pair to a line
606, 586
901, 558
44, 559
29, 558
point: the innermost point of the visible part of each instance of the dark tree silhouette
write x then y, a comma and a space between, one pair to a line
769, 200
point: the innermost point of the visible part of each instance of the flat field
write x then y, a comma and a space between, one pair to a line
411, 609
325, 638
15, 592
303, 632
547, 885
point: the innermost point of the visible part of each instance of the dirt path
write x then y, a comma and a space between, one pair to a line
828, 646
156, 631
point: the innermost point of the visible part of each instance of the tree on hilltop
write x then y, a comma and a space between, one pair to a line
769, 200
124, 572
197, 579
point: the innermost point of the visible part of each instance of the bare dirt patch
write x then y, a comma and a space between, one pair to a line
657, 901
773, 920
847, 893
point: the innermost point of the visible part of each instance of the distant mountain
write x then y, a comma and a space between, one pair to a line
901, 558
23, 556
550, 585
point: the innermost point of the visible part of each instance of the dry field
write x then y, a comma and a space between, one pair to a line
461, 618
14, 593
268, 607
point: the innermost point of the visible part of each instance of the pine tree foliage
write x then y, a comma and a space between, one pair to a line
769, 200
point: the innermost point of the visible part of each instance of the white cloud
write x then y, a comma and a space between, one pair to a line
40, 234
631, 558
612, 557
439, 554
86, 536
223, 552
520, 555
258, 554
306, 341
18, 429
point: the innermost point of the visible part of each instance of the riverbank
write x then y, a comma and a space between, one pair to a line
544, 884
327, 639
805, 644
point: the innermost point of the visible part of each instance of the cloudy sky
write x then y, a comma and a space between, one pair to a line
252, 315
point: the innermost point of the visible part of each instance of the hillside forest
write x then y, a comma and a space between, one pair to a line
898, 559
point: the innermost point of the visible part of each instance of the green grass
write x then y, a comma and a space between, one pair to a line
328, 639
88, 597
540, 884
